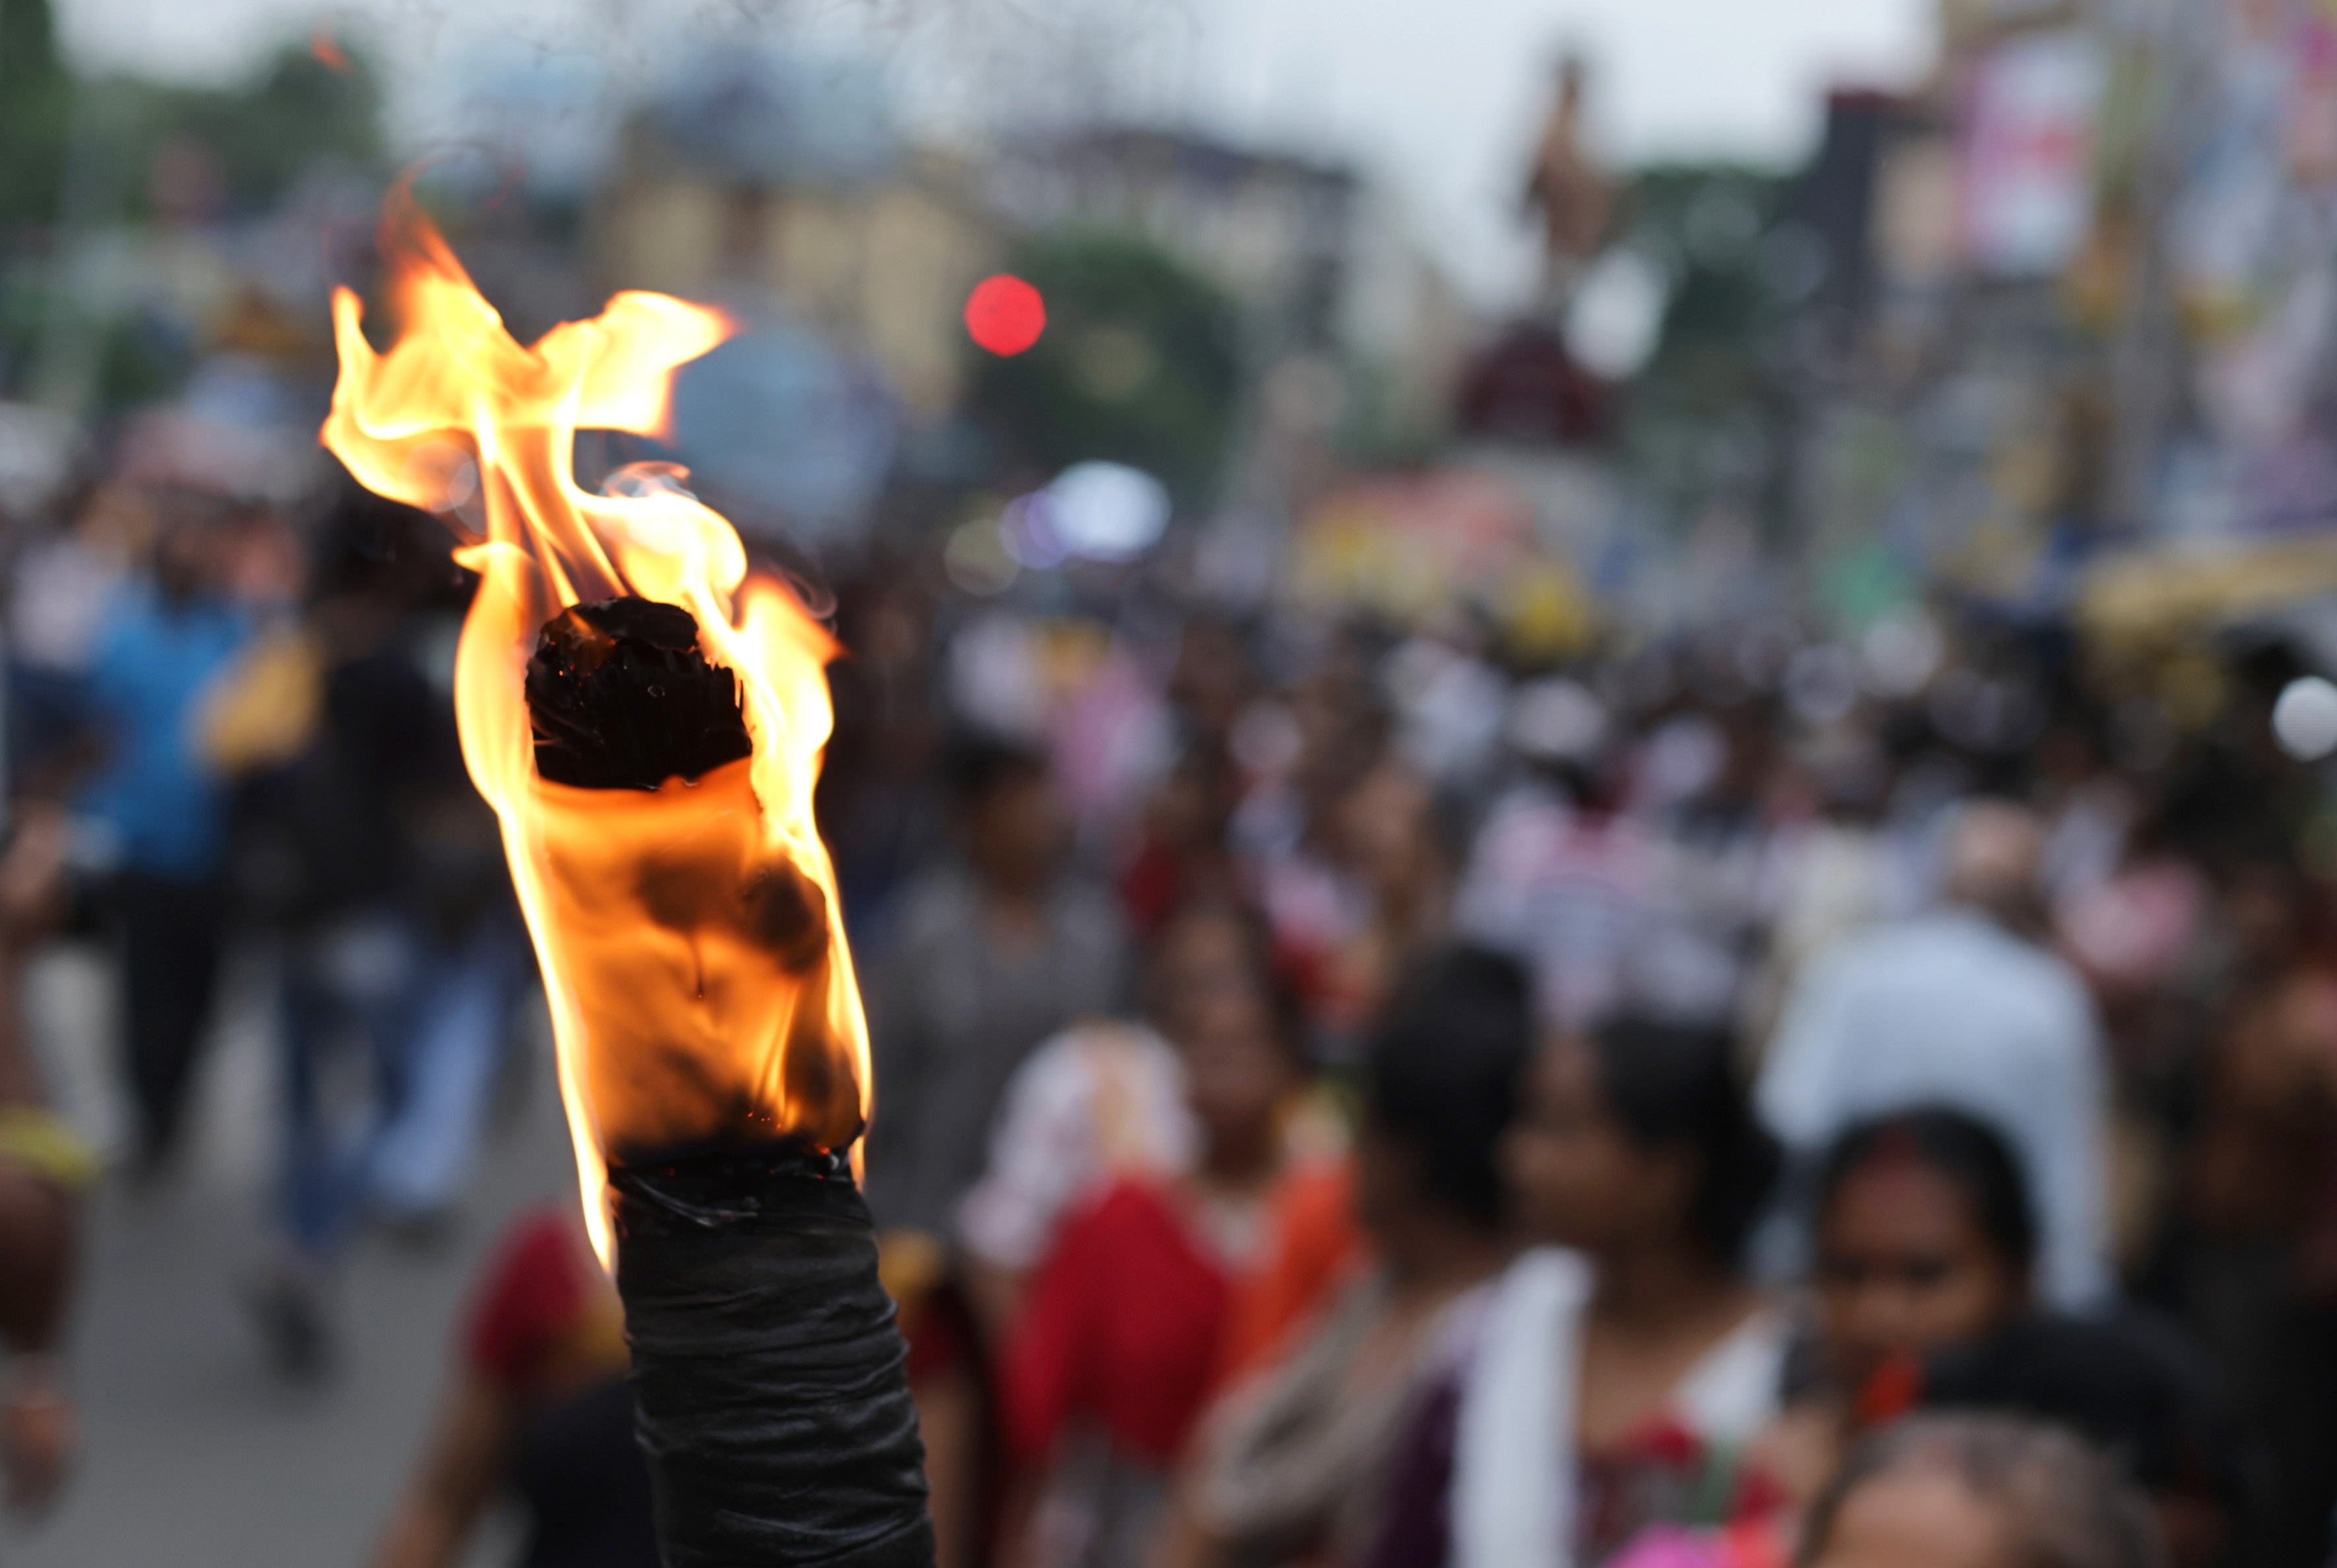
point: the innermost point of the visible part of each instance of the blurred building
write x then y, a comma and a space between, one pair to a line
1323, 262
754, 174
2076, 296
1957, 392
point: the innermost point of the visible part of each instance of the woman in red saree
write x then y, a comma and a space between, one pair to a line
1108, 1361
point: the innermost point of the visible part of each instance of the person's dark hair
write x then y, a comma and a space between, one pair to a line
1973, 1158
978, 766
1672, 1083
2064, 1504
2131, 1386
1441, 1075
1264, 972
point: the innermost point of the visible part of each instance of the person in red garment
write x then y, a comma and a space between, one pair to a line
539, 1407
1106, 1368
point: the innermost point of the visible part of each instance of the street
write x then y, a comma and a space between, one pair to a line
193, 1454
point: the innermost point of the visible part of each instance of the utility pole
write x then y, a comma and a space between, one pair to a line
2176, 40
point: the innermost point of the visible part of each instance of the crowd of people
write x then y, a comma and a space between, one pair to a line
1344, 1096
1643, 1111
239, 717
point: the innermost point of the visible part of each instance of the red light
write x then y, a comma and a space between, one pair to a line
1004, 314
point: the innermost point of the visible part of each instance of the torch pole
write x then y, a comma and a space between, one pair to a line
769, 1379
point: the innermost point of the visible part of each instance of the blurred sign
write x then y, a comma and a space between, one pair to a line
1410, 546
2252, 236
2028, 122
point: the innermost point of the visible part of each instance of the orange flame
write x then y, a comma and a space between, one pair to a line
687, 1009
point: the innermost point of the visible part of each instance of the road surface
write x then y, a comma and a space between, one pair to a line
193, 1455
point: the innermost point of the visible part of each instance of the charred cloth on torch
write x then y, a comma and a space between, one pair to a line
621, 697
770, 1384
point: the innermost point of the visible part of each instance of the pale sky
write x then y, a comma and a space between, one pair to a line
1439, 98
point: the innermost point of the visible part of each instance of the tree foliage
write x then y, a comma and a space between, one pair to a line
36, 100
257, 136
1138, 365
262, 133
1702, 420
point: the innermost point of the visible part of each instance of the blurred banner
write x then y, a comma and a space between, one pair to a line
2027, 155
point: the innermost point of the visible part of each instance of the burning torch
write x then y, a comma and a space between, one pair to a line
646, 717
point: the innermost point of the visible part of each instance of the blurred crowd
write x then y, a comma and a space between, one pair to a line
1346, 1096
236, 720
1346, 1093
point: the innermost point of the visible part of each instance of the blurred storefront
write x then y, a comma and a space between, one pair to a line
2080, 299
788, 179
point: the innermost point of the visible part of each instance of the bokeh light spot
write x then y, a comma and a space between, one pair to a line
978, 559
2305, 720
1004, 314
1107, 511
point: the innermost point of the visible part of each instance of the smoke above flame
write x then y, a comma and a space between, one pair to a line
690, 938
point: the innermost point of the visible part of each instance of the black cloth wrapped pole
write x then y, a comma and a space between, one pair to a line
770, 1381
769, 1377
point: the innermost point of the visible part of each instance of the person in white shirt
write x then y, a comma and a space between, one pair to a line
1961, 1008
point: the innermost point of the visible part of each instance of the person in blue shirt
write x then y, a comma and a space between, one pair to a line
169, 639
